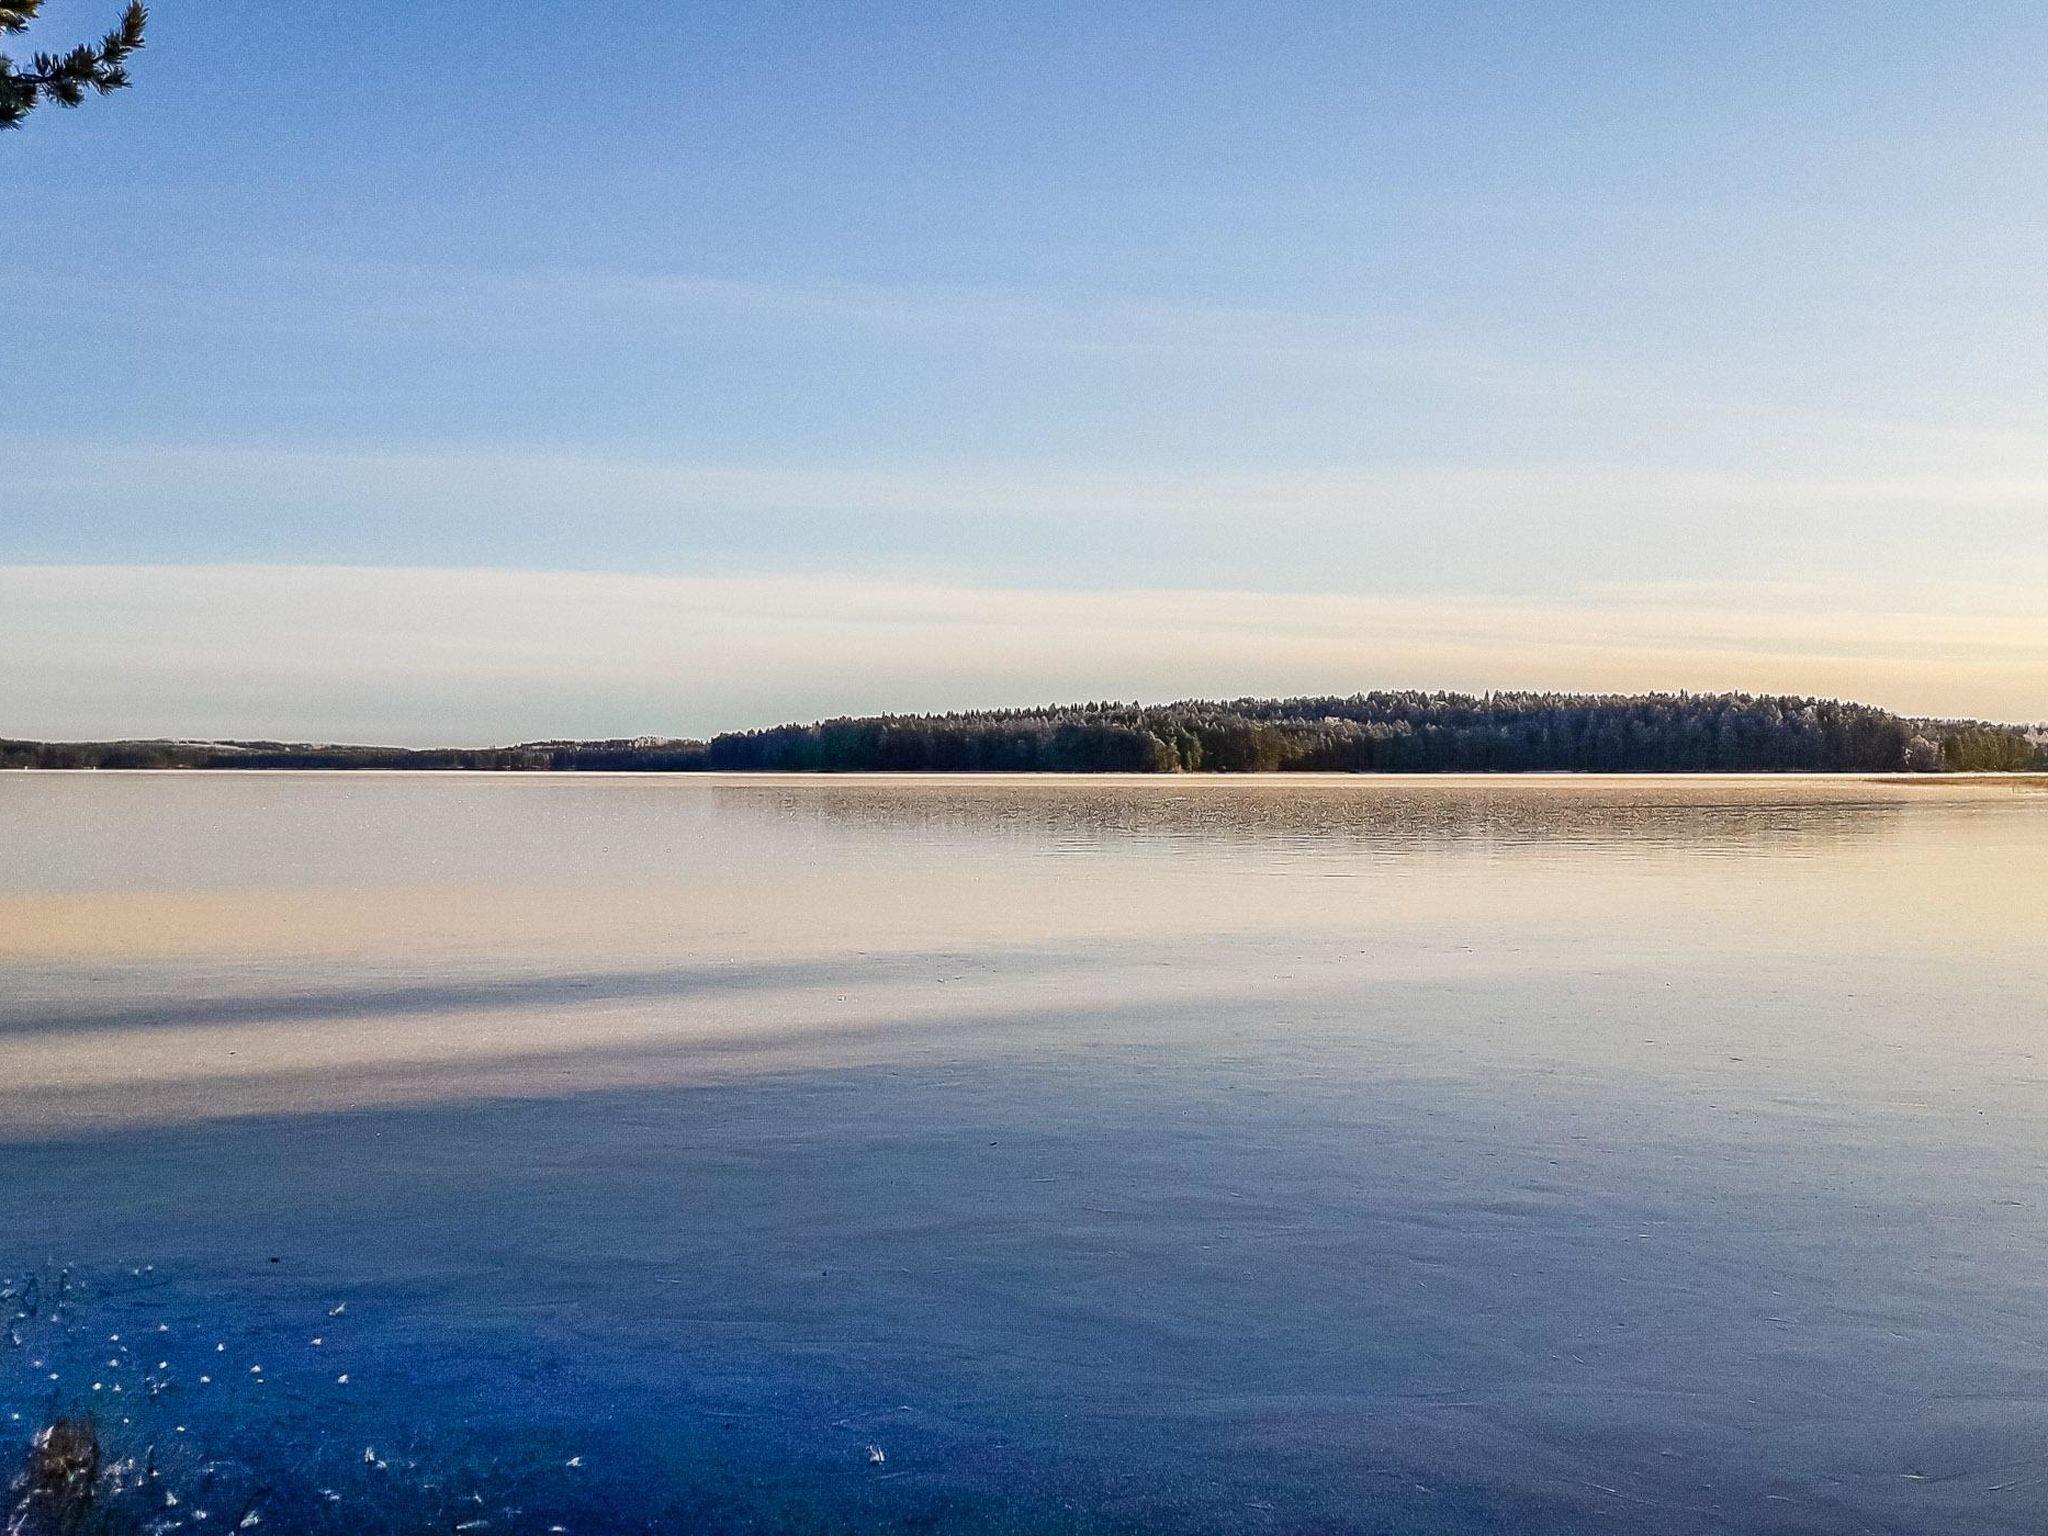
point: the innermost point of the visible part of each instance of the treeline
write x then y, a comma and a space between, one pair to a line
1364, 733
1394, 733
640, 755
1968, 746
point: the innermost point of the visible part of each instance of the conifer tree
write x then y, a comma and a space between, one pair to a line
64, 78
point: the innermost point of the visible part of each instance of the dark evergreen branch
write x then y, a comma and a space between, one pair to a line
65, 78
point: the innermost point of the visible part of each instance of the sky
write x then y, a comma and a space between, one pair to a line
485, 373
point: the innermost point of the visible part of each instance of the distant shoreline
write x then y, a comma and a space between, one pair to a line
1383, 732
2017, 778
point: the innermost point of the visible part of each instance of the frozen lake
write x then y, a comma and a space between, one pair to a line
1386, 1155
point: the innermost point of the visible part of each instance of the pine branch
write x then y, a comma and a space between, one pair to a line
65, 78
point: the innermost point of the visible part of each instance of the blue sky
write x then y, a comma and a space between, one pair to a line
1726, 319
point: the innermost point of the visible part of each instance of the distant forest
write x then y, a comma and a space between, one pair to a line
1365, 733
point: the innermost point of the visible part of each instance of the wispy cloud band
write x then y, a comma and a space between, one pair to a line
468, 655
1412, 527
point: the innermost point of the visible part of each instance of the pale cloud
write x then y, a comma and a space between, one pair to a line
1543, 526
528, 476
423, 655
268, 297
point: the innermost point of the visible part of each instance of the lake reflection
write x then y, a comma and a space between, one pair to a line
1538, 1154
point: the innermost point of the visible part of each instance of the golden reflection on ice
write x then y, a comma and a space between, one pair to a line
208, 945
